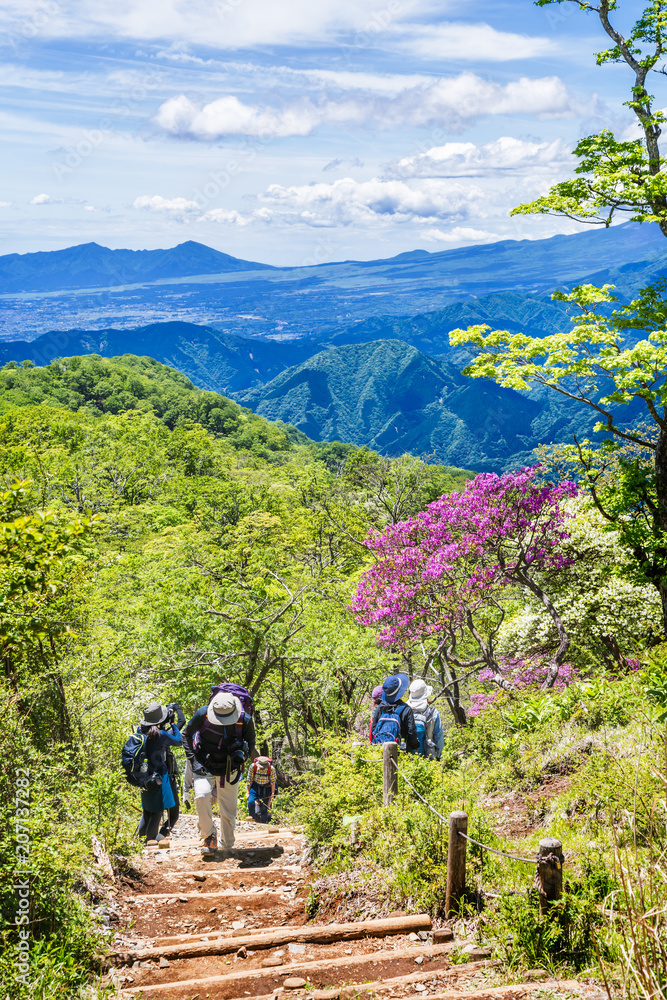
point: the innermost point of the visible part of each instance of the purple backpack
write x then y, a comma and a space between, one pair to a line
239, 692
247, 705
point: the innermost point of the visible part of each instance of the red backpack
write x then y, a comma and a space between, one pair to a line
252, 774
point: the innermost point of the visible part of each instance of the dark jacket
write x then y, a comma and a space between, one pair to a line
210, 736
408, 727
159, 789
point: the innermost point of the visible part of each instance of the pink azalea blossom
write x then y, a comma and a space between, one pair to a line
436, 573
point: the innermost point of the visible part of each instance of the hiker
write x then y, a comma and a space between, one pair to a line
376, 696
427, 720
217, 741
150, 764
393, 721
261, 786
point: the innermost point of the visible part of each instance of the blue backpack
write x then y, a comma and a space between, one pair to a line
387, 729
132, 756
425, 724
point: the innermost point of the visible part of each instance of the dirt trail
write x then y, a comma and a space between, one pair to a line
183, 898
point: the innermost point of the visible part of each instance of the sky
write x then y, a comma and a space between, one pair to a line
293, 131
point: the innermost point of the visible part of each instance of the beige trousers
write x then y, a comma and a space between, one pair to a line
206, 786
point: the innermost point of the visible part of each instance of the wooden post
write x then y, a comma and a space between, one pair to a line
456, 862
549, 872
389, 772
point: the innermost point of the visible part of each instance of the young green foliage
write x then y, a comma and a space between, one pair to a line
618, 176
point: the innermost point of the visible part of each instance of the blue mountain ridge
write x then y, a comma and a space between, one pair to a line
89, 265
388, 395
522, 264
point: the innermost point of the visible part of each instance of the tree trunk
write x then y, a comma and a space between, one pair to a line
563, 637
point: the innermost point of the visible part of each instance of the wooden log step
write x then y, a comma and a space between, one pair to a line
387, 985
517, 990
198, 935
298, 968
211, 870
322, 934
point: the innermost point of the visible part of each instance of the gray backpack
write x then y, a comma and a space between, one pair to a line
425, 723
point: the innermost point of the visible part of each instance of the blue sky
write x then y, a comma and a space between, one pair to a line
292, 131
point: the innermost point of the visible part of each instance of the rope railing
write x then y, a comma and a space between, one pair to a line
410, 785
494, 850
549, 859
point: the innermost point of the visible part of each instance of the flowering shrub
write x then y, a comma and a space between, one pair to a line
608, 613
523, 674
445, 572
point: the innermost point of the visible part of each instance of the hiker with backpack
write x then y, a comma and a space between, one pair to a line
261, 784
149, 764
427, 720
376, 698
393, 721
218, 740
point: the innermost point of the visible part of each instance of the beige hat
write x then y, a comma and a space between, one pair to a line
224, 709
419, 694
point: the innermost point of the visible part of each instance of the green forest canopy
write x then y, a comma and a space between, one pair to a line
117, 385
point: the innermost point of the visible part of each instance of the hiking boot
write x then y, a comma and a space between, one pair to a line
210, 844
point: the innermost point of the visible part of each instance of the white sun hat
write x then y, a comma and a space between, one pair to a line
419, 693
224, 709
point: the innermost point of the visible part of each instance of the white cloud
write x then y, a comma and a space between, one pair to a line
460, 234
226, 216
46, 199
246, 24
221, 24
177, 208
465, 159
229, 116
450, 102
347, 201
378, 83
458, 41
5, 204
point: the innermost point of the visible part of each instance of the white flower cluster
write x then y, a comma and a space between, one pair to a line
599, 603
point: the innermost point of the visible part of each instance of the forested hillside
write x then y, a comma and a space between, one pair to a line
98, 385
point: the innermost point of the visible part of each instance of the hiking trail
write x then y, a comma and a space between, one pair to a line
192, 927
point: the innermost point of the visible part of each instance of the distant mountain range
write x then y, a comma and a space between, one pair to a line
90, 287
91, 265
430, 331
529, 265
228, 363
213, 360
389, 396
355, 350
